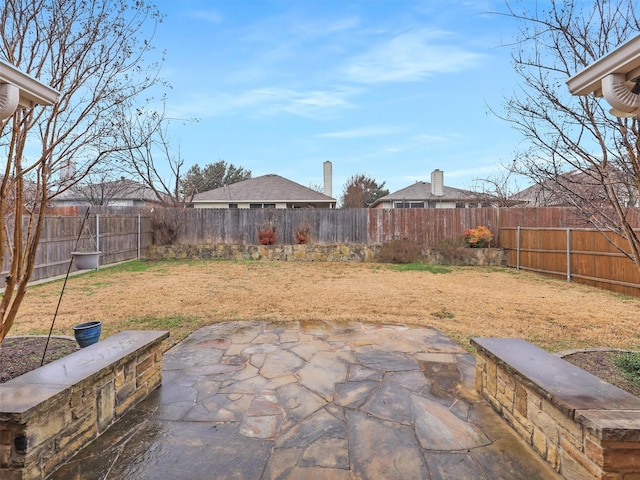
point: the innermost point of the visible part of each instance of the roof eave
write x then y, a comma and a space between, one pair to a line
32, 91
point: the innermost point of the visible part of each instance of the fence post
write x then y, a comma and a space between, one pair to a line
97, 232
518, 249
139, 236
569, 255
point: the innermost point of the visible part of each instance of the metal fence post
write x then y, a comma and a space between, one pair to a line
97, 232
518, 249
139, 233
569, 255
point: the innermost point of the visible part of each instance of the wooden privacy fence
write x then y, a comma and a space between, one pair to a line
580, 255
426, 226
125, 233
118, 237
240, 226
328, 226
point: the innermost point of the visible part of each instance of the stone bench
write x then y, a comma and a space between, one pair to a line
584, 427
49, 414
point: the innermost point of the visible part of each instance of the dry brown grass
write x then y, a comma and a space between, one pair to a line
467, 302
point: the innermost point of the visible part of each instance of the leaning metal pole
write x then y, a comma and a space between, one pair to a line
64, 285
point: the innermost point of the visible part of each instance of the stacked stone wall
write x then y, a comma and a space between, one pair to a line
311, 253
49, 414
586, 445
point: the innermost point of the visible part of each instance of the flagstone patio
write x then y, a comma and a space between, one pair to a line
312, 400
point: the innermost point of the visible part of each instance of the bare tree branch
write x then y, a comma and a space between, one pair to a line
151, 158
499, 189
577, 154
94, 53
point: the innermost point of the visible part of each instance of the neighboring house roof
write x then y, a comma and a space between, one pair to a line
265, 189
538, 195
108, 192
421, 191
574, 188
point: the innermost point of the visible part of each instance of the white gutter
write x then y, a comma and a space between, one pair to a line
624, 59
19, 90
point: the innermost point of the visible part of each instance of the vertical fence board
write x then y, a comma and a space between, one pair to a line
594, 258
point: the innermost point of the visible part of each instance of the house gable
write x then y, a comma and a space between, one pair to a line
267, 191
420, 195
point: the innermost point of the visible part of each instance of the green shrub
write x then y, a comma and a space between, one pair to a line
629, 364
400, 250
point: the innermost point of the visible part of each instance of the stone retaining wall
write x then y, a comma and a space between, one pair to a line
592, 432
291, 253
49, 414
312, 253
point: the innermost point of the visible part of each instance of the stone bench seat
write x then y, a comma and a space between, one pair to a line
581, 425
48, 414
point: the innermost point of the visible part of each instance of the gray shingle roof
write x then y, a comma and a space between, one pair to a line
576, 187
267, 188
421, 191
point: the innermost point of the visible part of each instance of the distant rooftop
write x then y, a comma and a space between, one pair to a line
421, 191
267, 188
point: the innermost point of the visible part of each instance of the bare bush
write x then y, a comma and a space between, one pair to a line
400, 250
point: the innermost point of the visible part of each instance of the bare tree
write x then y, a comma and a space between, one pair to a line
159, 166
102, 187
569, 135
361, 191
316, 187
499, 189
92, 52
152, 161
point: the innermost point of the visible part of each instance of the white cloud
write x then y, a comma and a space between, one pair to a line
360, 132
322, 28
298, 102
411, 57
430, 138
268, 101
211, 16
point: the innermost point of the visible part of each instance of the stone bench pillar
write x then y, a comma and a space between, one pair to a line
584, 427
50, 413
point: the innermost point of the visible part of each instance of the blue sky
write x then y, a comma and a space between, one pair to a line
390, 88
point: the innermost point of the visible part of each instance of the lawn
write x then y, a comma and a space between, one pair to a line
462, 302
